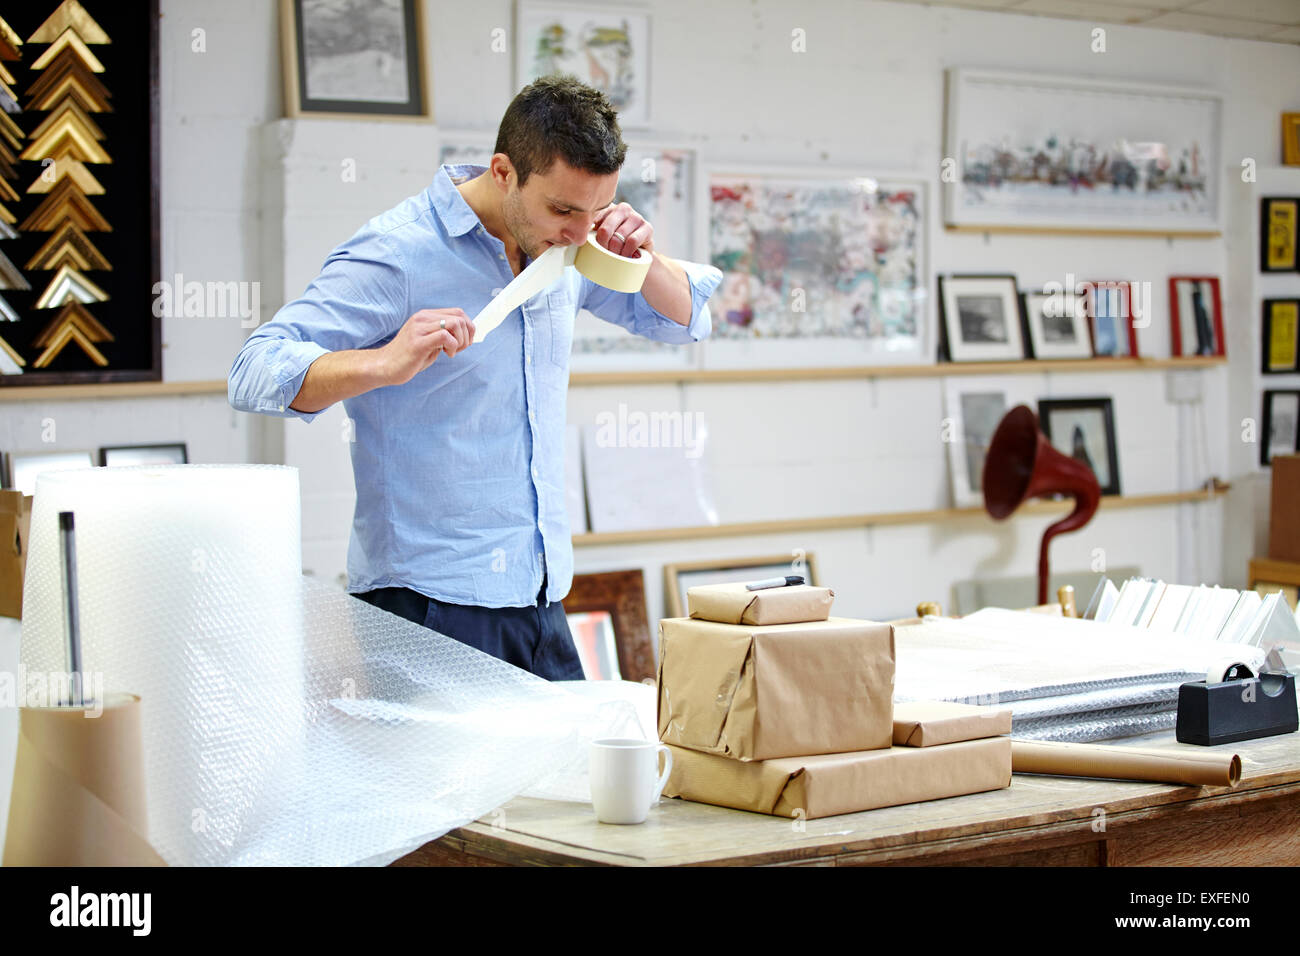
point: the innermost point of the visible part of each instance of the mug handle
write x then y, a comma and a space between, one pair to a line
668, 768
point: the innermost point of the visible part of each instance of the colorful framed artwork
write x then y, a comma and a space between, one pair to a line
974, 406
79, 188
979, 318
1109, 307
1279, 217
1281, 426
1196, 315
1041, 152
1057, 324
1281, 339
607, 47
1291, 139
114, 456
355, 59
817, 270
681, 577
1084, 429
607, 614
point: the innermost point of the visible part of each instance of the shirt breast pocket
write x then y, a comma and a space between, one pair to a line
561, 312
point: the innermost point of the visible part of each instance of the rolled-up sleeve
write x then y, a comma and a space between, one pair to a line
360, 299
634, 313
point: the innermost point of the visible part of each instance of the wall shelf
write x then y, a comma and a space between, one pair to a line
940, 370
112, 390
842, 522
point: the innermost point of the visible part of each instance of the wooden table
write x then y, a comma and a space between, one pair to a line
1039, 820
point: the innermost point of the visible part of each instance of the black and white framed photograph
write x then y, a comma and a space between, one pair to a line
359, 58
116, 456
974, 405
1084, 429
1058, 325
980, 318
1281, 435
1196, 316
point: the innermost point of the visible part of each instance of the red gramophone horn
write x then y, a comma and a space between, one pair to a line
1021, 463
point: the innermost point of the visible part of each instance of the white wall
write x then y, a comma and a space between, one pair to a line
867, 94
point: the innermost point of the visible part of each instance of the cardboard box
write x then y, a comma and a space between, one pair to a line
823, 786
733, 604
15, 520
931, 723
1284, 511
786, 690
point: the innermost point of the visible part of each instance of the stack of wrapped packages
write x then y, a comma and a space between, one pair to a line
770, 704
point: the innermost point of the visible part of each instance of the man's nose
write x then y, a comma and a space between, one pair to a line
576, 232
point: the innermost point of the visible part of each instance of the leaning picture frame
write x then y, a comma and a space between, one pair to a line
1280, 341
1279, 233
1196, 316
1281, 424
163, 453
621, 596
1110, 311
1084, 429
354, 59
980, 318
682, 576
974, 406
1057, 324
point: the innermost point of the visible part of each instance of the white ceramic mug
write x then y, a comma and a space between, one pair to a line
625, 778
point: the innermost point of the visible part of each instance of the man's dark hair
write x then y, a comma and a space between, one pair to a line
561, 116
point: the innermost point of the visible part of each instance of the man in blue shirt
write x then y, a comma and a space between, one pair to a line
458, 450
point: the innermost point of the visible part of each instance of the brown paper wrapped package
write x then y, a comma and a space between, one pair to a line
733, 604
842, 783
754, 693
929, 723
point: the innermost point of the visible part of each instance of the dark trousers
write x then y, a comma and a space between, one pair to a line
536, 639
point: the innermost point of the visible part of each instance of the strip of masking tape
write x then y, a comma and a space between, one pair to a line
620, 273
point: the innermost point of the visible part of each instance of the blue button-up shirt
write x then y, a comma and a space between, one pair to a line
460, 471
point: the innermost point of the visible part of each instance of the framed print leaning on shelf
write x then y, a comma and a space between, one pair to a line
1057, 323
824, 269
1109, 307
354, 58
1196, 315
1084, 429
1281, 432
679, 578
1281, 339
1042, 152
974, 406
980, 318
1278, 224
173, 453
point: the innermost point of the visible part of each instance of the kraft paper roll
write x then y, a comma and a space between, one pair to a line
620, 273
79, 793
1123, 763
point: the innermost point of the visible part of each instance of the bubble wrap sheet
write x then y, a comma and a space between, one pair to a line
286, 722
1062, 678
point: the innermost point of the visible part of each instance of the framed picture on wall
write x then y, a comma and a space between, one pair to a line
980, 318
1281, 432
680, 577
1058, 325
1281, 339
354, 58
1110, 308
79, 184
974, 406
1291, 139
607, 47
1084, 429
818, 270
1196, 315
1279, 220
1044, 152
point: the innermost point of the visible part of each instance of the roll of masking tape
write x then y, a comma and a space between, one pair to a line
1229, 670
620, 273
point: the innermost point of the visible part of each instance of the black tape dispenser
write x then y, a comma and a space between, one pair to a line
1233, 704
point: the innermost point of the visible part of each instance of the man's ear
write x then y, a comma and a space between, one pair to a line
502, 170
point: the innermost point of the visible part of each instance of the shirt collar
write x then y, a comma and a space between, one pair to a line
456, 215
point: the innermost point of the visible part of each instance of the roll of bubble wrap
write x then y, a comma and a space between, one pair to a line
285, 722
